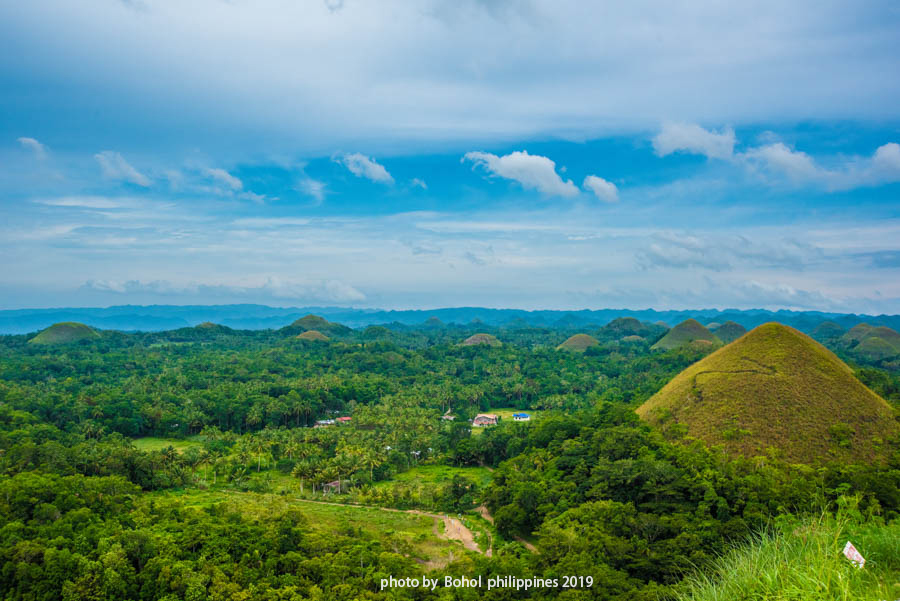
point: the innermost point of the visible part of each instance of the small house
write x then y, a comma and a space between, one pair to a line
343, 420
485, 419
324, 423
521, 417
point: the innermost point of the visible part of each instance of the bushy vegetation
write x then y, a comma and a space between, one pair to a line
185, 465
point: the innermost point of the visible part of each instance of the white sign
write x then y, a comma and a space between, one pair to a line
853, 555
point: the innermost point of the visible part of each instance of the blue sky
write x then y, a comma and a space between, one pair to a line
404, 155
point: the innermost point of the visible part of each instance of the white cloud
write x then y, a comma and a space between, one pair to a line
418, 183
724, 253
778, 158
88, 202
602, 189
39, 150
224, 178
691, 138
533, 172
779, 161
330, 291
362, 166
114, 166
314, 188
267, 222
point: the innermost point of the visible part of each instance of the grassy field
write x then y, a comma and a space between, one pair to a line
438, 474
414, 535
152, 443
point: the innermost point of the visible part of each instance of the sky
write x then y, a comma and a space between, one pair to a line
523, 154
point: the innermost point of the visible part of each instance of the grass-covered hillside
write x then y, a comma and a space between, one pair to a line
729, 331
480, 338
802, 561
578, 343
687, 332
777, 388
63, 333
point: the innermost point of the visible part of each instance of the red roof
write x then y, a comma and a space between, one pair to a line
343, 419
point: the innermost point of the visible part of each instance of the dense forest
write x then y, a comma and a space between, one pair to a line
186, 465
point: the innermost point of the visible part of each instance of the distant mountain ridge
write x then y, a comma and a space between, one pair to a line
259, 317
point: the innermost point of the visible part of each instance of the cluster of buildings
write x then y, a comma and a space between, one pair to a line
324, 423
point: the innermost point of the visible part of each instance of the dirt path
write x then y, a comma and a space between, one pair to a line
483, 511
453, 528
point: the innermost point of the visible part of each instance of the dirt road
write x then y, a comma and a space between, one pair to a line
453, 528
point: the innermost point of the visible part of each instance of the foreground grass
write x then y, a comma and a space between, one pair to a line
805, 563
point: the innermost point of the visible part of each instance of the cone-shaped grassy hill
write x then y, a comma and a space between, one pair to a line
315, 322
313, 335
777, 387
65, 332
578, 343
856, 333
486, 339
688, 331
872, 342
827, 330
730, 331
210, 327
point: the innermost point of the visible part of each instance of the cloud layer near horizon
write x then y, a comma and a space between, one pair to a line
395, 154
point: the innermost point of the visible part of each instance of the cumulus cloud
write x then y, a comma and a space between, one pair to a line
602, 189
778, 161
313, 188
224, 178
533, 172
362, 166
39, 150
115, 167
418, 183
778, 158
691, 138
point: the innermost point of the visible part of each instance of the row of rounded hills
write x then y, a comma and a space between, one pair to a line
773, 389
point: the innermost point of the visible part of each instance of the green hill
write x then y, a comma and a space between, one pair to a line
486, 339
828, 330
687, 332
776, 387
625, 326
872, 342
856, 333
320, 324
730, 331
875, 349
213, 328
65, 332
578, 343
313, 335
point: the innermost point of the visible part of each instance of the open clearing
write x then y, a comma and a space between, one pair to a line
433, 540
